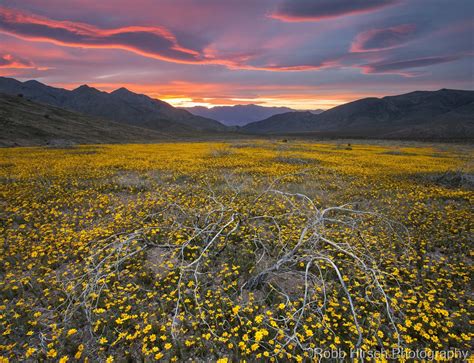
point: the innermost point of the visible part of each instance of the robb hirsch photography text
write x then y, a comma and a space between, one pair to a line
395, 353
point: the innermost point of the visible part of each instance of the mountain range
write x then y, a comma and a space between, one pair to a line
240, 115
442, 114
121, 106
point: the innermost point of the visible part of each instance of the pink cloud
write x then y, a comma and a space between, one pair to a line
10, 61
154, 42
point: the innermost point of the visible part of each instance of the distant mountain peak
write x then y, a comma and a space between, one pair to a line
239, 115
248, 105
122, 91
32, 81
85, 88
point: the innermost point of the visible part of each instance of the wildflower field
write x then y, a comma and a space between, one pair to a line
228, 251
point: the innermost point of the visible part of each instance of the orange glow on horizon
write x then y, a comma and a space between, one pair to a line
297, 103
185, 94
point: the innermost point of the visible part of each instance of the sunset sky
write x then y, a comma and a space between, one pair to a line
304, 54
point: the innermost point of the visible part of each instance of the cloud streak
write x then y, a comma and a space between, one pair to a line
155, 42
231, 51
381, 39
311, 10
10, 61
399, 67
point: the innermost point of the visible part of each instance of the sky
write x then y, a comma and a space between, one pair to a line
305, 54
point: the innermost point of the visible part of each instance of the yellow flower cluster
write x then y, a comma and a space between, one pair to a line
66, 295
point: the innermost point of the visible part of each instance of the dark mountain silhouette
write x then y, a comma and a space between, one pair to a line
24, 122
442, 114
421, 114
282, 123
240, 115
120, 105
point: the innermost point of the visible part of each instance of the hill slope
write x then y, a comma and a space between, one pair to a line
25, 123
280, 124
421, 114
240, 115
120, 105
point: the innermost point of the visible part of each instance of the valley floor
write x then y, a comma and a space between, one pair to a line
247, 249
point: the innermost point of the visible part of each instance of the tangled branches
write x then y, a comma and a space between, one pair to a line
269, 257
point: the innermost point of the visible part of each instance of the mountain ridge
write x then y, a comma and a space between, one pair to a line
441, 114
27, 123
383, 117
121, 106
240, 115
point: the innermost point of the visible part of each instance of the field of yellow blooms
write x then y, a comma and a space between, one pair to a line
228, 251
